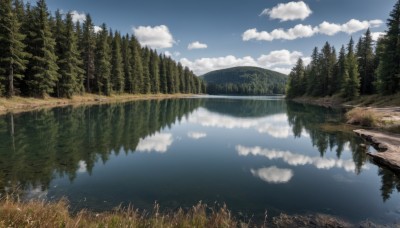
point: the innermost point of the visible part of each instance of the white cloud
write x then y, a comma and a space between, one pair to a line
97, 29
158, 142
297, 159
76, 16
303, 31
289, 11
299, 31
280, 60
177, 53
154, 37
377, 35
196, 135
273, 174
197, 45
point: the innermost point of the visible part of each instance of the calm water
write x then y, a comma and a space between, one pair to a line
255, 154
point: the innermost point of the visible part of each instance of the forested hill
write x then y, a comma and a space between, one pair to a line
245, 81
43, 54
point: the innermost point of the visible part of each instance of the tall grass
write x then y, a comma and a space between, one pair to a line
56, 214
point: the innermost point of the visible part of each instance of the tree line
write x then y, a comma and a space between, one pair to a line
43, 54
361, 69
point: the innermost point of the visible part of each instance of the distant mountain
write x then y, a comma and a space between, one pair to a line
245, 81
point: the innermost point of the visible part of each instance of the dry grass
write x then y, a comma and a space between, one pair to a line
21, 104
41, 214
363, 116
377, 101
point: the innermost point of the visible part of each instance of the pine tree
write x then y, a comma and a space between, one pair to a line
296, 77
342, 70
117, 72
136, 65
352, 82
103, 69
163, 75
12, 56
187, 80
88, 52
69, 62
181, 78
154, 72
389, 66
366, 64
313, 75
146, 86
42, 69
171, 76
126, 54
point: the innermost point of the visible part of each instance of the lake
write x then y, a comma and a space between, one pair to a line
256, 154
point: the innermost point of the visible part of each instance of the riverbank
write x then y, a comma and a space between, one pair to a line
56, 214
23, 104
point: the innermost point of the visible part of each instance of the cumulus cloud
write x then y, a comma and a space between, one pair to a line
303, 31
289, 11
154, 37
196, 45
275, 125
158, 142
377, 35
299, 31
76, 16
279, 60
297, 159
196, 135
97, 29
273, 174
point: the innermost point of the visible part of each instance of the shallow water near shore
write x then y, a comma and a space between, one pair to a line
256, 154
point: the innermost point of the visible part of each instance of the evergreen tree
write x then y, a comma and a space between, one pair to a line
163, 75
117, 72
181, 78
146, 86
296, 78
313, 75
126, 54
389, 66
366, 64
171, 76
12, 56
342, 73
136, 65
88, 52
154, 72
42, 69
69, 62
103, 69
352, 82
187, 80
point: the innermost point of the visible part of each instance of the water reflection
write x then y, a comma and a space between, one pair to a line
273, 174
41, 146
196, 135
159, 142
297, 159
38, 146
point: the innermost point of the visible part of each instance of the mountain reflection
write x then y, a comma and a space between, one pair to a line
38, 146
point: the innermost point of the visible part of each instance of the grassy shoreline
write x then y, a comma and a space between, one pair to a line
56, 214
24, 104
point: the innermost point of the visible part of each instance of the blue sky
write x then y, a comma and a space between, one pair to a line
226, 33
